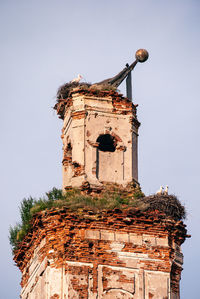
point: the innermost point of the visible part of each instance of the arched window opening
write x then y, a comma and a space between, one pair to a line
106, 143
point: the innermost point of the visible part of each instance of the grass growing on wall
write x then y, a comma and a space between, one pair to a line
72, 199
77, 201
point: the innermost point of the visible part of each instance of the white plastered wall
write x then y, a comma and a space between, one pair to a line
82, 132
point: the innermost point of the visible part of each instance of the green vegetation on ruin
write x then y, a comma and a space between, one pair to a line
77, 201
73, 199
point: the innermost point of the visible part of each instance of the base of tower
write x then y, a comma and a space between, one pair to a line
120, 253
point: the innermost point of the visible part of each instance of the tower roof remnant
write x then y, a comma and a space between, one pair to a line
141, 56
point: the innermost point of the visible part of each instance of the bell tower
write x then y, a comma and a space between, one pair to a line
104, 238
100, 131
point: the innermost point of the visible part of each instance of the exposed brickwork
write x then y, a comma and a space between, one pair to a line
78, 114
122, 253
120, 103
78, 169
149, 242
67, 155
78, 281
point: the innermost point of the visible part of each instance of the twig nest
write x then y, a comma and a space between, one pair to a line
168, 204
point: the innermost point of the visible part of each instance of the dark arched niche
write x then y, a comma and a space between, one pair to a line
106, 143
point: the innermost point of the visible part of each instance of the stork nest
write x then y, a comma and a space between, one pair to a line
65, 89
168, 204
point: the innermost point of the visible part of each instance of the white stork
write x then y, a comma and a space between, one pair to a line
160, 191
77, 79
166, 190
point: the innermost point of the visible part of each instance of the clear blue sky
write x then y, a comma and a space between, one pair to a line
47, 43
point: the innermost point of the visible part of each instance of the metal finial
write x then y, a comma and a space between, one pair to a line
141, 55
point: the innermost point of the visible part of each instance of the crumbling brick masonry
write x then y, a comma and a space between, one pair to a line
112, 254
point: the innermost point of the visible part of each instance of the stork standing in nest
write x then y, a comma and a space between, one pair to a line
166, 190
77, 79
160, 191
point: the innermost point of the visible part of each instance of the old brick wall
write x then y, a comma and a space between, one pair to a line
113, 254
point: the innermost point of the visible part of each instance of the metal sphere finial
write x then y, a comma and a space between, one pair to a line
141, 55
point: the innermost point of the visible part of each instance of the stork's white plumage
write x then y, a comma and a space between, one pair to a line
160, 191
77, 79
166, 190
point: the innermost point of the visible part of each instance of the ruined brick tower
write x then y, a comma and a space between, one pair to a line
100, 139
124, 252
